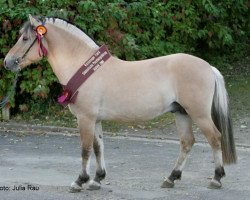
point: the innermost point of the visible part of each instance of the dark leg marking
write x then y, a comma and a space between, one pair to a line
85, 154
82, 178
175, 175
169, 182
100, 175
219, 173
96, 147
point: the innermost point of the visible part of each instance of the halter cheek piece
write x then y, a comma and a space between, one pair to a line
42, 51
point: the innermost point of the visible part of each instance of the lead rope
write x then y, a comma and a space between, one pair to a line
5, 100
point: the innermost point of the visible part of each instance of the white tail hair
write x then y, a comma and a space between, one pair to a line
222, 119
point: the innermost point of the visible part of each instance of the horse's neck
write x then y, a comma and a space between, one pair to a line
66, 53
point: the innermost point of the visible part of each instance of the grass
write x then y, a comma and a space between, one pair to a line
239, 94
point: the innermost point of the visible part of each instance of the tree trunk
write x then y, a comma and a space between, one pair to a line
6, 113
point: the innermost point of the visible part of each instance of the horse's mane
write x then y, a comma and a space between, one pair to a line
63, 24
72, 29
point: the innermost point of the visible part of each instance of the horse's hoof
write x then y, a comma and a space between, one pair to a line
214, 184
93, 185
75, 188
167, 184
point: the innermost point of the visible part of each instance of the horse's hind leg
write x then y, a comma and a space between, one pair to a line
213, 137
95, 184
184, 127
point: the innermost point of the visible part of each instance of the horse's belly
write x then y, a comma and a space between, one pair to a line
138, 106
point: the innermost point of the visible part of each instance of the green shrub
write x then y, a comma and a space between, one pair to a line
133, 30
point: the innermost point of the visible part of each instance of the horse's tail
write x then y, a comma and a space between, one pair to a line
222, 119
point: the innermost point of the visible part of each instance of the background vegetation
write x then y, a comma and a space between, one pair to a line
217, 31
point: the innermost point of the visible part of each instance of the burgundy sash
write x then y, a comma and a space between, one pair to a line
70, 90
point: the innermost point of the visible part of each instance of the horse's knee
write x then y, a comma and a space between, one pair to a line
86, 152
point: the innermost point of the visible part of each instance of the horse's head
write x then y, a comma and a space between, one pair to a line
29, 46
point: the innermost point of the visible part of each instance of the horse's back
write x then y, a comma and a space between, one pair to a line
192, 78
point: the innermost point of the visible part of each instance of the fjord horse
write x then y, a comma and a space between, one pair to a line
128, 91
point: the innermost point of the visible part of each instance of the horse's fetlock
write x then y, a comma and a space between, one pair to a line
175, 175
100, 175
82, 178
219, 173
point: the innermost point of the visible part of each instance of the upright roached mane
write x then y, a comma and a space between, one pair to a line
127, 91
72, 29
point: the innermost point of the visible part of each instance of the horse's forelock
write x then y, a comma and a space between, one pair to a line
26, 28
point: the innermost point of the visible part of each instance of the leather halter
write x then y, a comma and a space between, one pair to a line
40, 32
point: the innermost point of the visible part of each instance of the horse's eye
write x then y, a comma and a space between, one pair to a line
25, 38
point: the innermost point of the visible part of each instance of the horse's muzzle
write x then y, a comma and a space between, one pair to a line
12, 64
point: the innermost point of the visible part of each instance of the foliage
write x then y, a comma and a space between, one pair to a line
132, 30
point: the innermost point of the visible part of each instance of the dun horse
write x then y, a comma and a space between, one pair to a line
120, 90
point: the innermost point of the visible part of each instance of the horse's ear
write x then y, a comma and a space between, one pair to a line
33, 21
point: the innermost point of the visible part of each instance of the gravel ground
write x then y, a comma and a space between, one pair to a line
135, 165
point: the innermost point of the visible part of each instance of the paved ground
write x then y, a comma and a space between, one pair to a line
136, 167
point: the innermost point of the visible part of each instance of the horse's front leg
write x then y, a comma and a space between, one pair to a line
98, 146
87, 128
